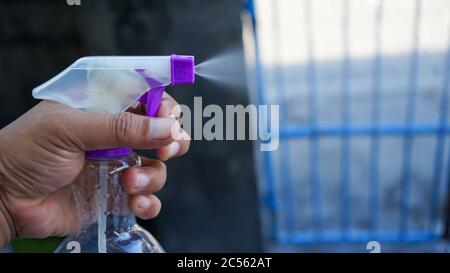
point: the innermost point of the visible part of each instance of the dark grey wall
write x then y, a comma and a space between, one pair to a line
209, 202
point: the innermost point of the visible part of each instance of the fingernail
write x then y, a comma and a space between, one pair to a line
173, 148
160, 128
143, 202
141, 180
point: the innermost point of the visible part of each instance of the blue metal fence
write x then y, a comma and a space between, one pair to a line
281, 206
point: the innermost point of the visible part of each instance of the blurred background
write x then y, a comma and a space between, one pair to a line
363, 92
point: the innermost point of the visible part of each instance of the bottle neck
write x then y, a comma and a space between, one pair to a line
112, 200
106, 199
119, 216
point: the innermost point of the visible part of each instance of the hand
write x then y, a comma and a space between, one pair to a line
42, 152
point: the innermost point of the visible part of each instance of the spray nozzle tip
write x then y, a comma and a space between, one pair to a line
182, 69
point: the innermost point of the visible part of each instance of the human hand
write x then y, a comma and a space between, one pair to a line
42, 152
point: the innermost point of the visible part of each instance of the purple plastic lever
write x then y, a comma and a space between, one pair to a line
152, 99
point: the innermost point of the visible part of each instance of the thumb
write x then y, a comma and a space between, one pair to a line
102, 131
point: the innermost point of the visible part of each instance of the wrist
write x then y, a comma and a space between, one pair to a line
6, 225
7, 230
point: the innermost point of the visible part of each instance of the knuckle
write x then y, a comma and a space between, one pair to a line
155, 208
185, 146
161, 166
162, 171
122, 125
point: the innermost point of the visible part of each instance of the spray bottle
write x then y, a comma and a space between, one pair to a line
112, 84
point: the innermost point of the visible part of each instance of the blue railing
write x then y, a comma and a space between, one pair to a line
281, 206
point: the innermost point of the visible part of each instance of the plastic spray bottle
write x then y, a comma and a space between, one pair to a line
111, 84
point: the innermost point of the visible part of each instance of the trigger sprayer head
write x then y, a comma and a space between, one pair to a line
182, 69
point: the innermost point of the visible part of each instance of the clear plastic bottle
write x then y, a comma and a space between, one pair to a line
107, 225
112, 84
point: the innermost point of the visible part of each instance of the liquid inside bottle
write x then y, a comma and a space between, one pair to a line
106, 224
